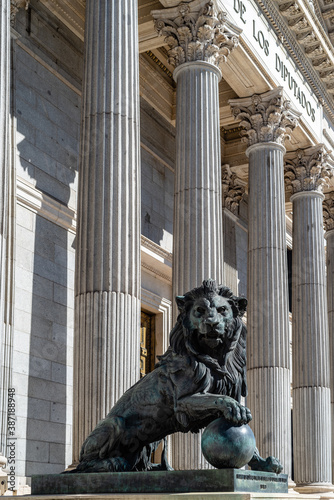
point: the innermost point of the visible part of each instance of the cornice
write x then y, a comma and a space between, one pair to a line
285, 34
70, 12
40, 203
157, 249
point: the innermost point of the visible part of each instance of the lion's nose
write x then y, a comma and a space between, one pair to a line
212, 320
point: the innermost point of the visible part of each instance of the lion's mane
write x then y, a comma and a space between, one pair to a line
208, 373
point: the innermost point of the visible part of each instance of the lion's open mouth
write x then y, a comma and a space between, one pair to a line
212, 338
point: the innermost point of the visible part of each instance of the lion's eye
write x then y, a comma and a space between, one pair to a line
221, 310
200, 310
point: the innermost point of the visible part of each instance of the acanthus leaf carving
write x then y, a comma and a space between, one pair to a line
265, 118
196, 31
233, 190
308, 169
328, 212
15, 5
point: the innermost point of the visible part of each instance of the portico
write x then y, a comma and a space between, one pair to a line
160, 121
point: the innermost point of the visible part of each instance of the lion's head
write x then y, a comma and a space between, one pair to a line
209, 327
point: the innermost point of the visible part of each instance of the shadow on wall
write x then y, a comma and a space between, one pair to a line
48, 120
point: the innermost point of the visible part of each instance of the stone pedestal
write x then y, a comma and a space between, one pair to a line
200, 39
160, 482
307, 170
107, 303
267, 119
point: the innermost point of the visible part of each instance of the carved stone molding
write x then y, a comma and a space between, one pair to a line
196, 31
233, 190
15, 5
312, 37
328, 211
265, 118
307, 169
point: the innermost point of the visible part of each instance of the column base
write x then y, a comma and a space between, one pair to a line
72, 466
323, 489
291, 486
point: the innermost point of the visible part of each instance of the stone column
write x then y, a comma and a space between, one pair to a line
200, 39
107, 303
328, 211
267, 118
308, 171
4, 162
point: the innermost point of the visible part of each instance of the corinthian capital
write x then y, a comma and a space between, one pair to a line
265, 118
233, 190
196, 31
307, 169
328, 210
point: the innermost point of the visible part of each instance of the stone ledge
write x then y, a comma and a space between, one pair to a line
177, 496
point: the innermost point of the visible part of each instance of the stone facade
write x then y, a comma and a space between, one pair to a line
128, 175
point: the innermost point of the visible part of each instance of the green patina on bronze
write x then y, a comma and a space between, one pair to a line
188, 481
201, 376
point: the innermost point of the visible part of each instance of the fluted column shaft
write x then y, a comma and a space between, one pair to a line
197, 234
330, 304
4, 163
268, 369
197, 198
311, 385
200, 39
108, 243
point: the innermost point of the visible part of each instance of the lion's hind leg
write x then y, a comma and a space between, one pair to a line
118, 464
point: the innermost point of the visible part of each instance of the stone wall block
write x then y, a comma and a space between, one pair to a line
4, 169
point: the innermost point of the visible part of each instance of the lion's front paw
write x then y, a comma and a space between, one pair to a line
234, 412
273, 465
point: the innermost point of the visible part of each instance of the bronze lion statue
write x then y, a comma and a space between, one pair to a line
201, 376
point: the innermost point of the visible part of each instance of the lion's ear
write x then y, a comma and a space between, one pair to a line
242, 305
180, 301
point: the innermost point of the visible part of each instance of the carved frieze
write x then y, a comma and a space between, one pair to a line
328, 211
265, 118
196, 31
233, 190
307, 169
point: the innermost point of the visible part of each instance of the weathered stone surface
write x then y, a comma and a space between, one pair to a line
160, 482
